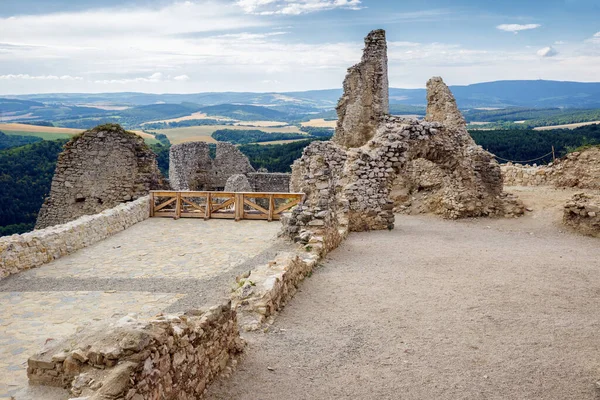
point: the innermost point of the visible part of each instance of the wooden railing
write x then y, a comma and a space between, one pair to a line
227, 205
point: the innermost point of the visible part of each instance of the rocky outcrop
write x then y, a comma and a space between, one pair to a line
349, 188
366, 95
98, 170
579, 169
168, 357
192, 168
582, 213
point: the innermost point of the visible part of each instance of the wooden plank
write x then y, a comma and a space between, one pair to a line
287, 206
158, 193
223, 205
166, 203
151, 204
223, 216
271, 208
192, 215
256, 206
178, 206
208, 208
194, 205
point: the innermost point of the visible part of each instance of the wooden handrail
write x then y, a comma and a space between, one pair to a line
222, 205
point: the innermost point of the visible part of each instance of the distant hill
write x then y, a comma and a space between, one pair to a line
245, 112
525, 93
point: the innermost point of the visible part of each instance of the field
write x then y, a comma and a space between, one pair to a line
566, 126
53, 133
260, 124
320, 123
196, 115
203, 133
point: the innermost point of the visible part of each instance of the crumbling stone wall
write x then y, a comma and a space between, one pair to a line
349, 181
238, 183
32, 249
98, 170
192, 168
269, 182
580, 169
171, 357
366, 94
582, 213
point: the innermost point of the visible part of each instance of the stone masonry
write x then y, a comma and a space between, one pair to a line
580, 169
582, 213
169, 357
32, 249
366, 94
192, 168
98, 170
348, 187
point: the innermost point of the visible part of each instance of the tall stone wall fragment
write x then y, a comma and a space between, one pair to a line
98, 170
366, 95
442, 107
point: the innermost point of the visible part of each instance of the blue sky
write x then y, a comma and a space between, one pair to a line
283, 45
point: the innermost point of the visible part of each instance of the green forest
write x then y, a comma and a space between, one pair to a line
26, 170
253, 136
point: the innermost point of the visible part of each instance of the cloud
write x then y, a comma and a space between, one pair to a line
597, 35
546, 52
40, 77
182, 78
516, 28
559, 42
295, 7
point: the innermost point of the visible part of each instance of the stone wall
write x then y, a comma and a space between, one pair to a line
192, 168
582, 213
171, 357
32, 249
269, 182
576, 170
366, 94
98, 170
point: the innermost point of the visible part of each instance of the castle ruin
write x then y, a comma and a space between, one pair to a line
349, 180
98, 170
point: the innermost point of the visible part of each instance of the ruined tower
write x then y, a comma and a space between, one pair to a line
98, 170
366, 95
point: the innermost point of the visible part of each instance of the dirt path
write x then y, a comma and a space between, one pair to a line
478, 309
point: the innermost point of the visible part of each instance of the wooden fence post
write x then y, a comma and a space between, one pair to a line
151, 204
178, 206
208, 212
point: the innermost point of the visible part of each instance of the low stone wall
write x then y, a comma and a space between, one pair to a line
267, 288
525, 175
269, 182
32, 249
169, 357
582, 213
580, 169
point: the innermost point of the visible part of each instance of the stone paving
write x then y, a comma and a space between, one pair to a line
157, 265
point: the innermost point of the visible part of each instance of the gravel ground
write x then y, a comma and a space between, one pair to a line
477, 309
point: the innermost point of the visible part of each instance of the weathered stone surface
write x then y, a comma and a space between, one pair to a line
32, 249
238, 183
442, 108
349, 188
98, 170
580, 169
192, 168
366, 95
582, 213
169, 357
269, 181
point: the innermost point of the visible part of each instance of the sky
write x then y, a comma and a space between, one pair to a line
169, 46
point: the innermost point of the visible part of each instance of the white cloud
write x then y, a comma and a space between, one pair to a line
597, 35
182, 78
40, 77
547, 52
295, 7
516, 28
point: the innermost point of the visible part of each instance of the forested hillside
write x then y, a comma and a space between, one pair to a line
25, 177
